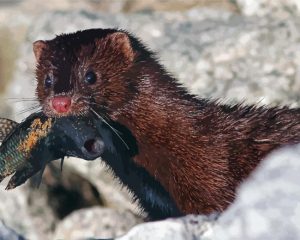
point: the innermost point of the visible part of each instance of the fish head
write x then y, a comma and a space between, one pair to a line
78, 137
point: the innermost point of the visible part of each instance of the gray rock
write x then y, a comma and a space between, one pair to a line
214, 53
36, 6
14, 213
114, 195
7, 233
267, 207
268, 203
5, 110
280, 8
95, 222
191, 227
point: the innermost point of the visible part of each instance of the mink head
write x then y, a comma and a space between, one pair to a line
91, 69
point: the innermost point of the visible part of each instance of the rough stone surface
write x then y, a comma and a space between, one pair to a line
7, 233
116, 6
280, 8
268, 203
14, 212
95, 222
191, 227
252, 56
114, 195
267, 207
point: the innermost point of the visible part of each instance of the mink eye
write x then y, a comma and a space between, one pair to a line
90, 77
48, 82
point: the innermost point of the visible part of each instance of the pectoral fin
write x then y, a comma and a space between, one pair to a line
24, 173
37, 178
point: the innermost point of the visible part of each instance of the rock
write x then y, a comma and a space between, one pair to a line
35, 6
95, 222
14, 213
7, 233
191, 227
280, 8
110, 189
5, 110
215, 53
268, 203
68, 191
266, 207
176, 5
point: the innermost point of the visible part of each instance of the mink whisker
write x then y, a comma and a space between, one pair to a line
36, 107
111, 127
13, 98
28, 109
86, 100
23, 100
17, 100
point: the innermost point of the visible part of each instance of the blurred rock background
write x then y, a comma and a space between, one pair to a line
235, 50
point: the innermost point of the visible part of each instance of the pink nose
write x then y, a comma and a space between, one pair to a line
61, 104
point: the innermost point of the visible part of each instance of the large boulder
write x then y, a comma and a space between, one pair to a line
95, 222
267, 207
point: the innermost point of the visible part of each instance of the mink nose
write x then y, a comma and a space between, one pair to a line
61, 104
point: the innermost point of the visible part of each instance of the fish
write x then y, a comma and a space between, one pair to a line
27, 147
86, 138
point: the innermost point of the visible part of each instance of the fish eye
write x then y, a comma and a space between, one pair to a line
48, 81
90, 77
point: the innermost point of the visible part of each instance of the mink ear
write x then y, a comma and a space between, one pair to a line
38, 47
121, 41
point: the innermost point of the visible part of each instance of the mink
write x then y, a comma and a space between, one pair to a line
198, 150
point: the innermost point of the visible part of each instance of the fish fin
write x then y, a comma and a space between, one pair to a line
6, 126
20, 176
37, 178
23, 174
4, 175
61, 163
1, 178
11, 184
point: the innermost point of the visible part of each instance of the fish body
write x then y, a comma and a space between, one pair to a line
39, 140
21, 142
86, 138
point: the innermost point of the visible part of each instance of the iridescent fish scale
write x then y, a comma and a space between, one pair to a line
17, 147
10, 158
6, 126
38, 140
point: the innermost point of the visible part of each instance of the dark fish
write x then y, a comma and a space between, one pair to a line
86, 138
38, 140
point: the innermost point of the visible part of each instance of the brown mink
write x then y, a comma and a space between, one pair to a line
198, 150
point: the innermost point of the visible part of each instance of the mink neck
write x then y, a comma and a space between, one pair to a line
157, 93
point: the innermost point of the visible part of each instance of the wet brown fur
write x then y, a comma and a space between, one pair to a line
199, 150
